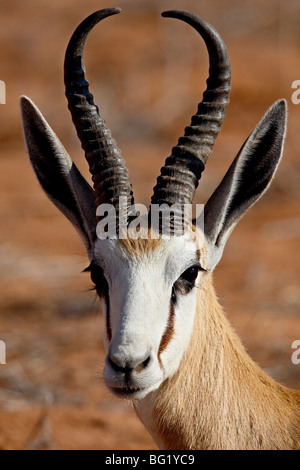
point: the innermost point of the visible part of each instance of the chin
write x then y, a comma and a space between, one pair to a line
133, 393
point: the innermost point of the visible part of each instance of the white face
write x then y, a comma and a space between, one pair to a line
148, 290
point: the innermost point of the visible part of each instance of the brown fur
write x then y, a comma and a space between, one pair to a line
219, 398
169, 332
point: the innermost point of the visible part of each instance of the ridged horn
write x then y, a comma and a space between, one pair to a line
180, 175
106, 165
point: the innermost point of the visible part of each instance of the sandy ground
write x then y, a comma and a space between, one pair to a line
146, 74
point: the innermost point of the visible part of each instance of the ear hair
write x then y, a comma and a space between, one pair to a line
57, 174
246, 180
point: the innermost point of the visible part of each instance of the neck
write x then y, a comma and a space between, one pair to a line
219, 398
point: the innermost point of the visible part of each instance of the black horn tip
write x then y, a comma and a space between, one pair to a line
176, 14
184, 16
211, 37
107, 12
76, 44
97, 16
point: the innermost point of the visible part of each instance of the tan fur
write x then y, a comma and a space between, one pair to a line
136, 248
219, 398
149, 241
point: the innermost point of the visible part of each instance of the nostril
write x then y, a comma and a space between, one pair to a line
146, 362
142, 365
117, 367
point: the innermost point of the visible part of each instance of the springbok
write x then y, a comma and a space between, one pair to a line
170, 348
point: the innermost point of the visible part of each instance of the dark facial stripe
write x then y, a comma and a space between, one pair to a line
108, 323
169, 331
102, 289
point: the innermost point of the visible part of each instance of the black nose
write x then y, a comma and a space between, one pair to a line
128, 366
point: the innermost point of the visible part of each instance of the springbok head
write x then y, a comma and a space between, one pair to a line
150, 287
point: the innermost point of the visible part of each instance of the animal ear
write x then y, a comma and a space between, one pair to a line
246, 180
57, 174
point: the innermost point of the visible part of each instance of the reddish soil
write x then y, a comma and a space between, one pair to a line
147, 75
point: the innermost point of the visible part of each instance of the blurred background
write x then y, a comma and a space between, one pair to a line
147, 75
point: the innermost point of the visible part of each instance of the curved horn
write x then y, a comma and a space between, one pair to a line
182, 170
108, 169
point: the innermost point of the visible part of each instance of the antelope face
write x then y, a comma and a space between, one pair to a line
149, 286
148, 290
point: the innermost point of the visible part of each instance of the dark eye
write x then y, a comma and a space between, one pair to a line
190, 275
98, 279
185, 282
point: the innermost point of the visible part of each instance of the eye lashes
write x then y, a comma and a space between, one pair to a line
98, 279
186, 282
